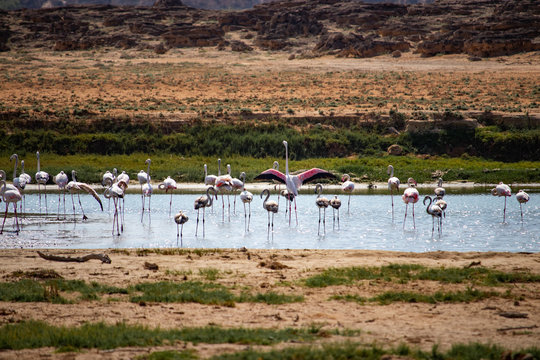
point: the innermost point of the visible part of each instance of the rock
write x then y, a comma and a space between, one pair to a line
396, 53
167, 4
292, 57
395, 149
240, 46
160, 49
356, 45
193, 36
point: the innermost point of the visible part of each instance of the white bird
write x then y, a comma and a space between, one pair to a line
168, 184
335, 203
522, 197
209, 179
436, 212
116, 191
146, 187
202, 202
223, 185
270, 206
502, 190
246, 198
347, 187
24, 179
393, 185
61, 180
108, 178
439, 190
322, 203
75, 186
236, 184
10, 195
18, 182
42, 178
123, 177
180, 219
410, 195
442, 204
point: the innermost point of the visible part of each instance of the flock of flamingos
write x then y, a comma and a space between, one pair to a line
116, 184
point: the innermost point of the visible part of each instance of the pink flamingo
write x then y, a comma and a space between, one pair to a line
347, 187
410, 195
116, 191
436, 212
393, 185
322, 203
42, 178
270, 206
224, 184
246, 198
502, 190
76, 187
335, 203
61, 180
236, 184
168, 184
439, 190
209, 179
180, 219
522, 197
293, 182
10, 195
202, 202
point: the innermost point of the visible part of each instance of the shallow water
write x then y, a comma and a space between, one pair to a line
474, 222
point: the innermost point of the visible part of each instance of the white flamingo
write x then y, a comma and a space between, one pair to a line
61, 180
223, 185
502, 190
322, 203
236, 184
168, 184
202, 202
42, 178
75, 186
10, 195
410, 195
146, 187
522, 197
123, 177
293, 182
393, 185
180, 219
270, 206
436, 212
117, 191
18, 182
439, 190
25, 179
107, 180
335, 203
246, 198
347, 187
209, 179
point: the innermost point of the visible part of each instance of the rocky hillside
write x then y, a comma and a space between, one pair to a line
306, 28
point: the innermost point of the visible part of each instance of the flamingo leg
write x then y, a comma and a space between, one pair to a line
203, 211
45, 192
432, 225
170, 205
16, 217
182, 235
290, 211
73, 203
405, 218
324, 220
272, 225
295, 212
229, 205
414, 223
349, 205
392, 197
39, 195
319, 228
521, 209
234, 209
249, 218
5, 215
333, 218
338, 219
504, 210
196, 227
245, 216
82, 209
177, 233
223, 208
58, 211
268, 222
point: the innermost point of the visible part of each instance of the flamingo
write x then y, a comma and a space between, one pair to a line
335, 203
436, 212
180, 219
209, 179
42, 178
439, 190
236, 184
410, 195
10, 195
293, 182
18, 182
522, 197
203, 202
270, 206
168, 184
223, 184
502, 190
26, 179
442, 204
61, 180
393, 185
347, 187
107, 180
322, 203
123, 177
116, 191
146, 187
75, 186
246, 198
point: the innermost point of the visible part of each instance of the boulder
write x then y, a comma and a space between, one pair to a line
395, 149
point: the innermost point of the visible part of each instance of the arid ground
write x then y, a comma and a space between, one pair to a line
420, 325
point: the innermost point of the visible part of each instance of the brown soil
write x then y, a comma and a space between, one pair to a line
417, 324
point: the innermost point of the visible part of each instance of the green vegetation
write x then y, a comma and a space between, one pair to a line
412, 297
350, 350
404, 273
170, 355
35, 334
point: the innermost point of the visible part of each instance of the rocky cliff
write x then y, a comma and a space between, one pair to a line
481, 28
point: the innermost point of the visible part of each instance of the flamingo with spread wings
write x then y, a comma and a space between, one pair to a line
293, 182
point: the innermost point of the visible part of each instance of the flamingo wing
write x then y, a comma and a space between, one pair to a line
90, 191
271, 174
314, 174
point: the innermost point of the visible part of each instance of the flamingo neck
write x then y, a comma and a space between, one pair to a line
73, 176
205, 170
38, 167
391, 171
286, 160
15, 168
219, 167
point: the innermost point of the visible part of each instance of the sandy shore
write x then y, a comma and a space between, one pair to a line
416, 324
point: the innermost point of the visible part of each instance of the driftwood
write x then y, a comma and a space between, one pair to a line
513, 315
104, 258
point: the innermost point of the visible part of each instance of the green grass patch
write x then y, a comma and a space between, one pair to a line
36, 334
271, 298
389, 297
189, 291
348, 350
170, 355
408, 272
